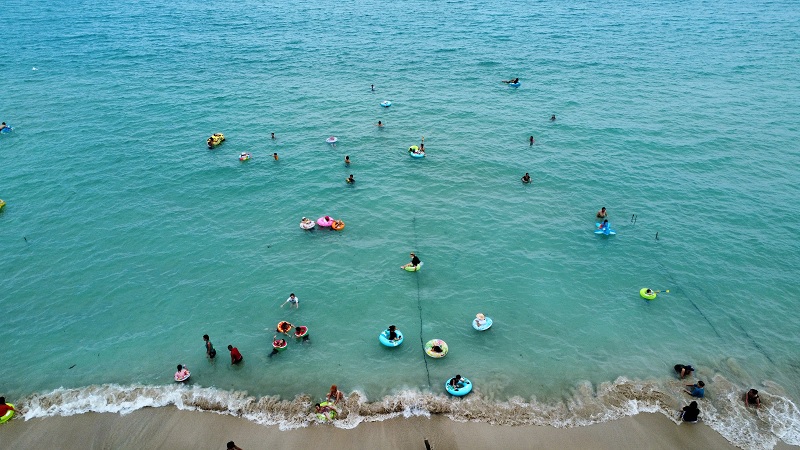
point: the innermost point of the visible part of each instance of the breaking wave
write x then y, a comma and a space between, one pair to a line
778, 418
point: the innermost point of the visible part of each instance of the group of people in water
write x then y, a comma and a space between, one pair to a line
691, 413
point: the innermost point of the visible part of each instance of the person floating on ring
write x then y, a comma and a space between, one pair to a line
415, 262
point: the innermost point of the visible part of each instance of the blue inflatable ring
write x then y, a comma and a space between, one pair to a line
515, 85
464, 388
384, 338
483, 327
386, 103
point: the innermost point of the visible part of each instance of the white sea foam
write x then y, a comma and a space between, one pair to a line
778, 418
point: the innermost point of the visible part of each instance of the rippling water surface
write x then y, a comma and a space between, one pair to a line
125, 239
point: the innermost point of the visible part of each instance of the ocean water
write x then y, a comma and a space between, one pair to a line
125, 239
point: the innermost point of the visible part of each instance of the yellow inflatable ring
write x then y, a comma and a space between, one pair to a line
643, 293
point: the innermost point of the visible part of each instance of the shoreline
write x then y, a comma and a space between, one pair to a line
169, 427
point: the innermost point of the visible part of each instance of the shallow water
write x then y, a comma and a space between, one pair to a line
125, 239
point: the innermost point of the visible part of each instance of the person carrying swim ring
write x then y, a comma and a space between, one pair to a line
182, 373
526, 178
602, 214
415, 262
393, 336
350, 180
4, 407
456, 382
284, 327
276, 344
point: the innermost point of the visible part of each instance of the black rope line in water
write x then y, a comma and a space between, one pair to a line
672, 280
755, 344
419, 303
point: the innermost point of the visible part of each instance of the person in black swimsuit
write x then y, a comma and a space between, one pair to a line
415, 262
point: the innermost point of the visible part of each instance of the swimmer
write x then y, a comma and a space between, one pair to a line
350, 179
182, 373
526, 178
276, 343
480, 320
372, 87
751, 398
346, 160
511, 81
553, 118
293, 300
273, 135
275, 156
3, 126
602, 214
236, 357
456, 382
210, 142
530, 139
680, 369
380, 124
415, 262
334, 395
393, 333
697, 389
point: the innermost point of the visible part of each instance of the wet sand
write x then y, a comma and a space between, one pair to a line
170, 428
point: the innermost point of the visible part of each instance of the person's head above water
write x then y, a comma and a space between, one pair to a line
392, 327
180, 367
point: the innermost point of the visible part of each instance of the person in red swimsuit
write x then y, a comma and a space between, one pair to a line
5, 408
236, 357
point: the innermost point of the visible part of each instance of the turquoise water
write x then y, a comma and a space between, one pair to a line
125, 239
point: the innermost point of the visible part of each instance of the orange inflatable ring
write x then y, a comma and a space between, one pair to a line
284, 326
338, 225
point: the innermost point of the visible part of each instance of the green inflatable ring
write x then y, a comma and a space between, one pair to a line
643, 293
7, 416
330, 416
413, 268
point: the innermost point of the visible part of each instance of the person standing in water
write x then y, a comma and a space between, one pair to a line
210, 352
380, 124
236, 357
372, 87
530, 139
346, 160
275, 156
350, 180
602, 213
553, 118
273, 135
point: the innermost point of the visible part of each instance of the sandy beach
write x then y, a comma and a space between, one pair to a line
170, 428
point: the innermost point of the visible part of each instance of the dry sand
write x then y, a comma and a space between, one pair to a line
170, 428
